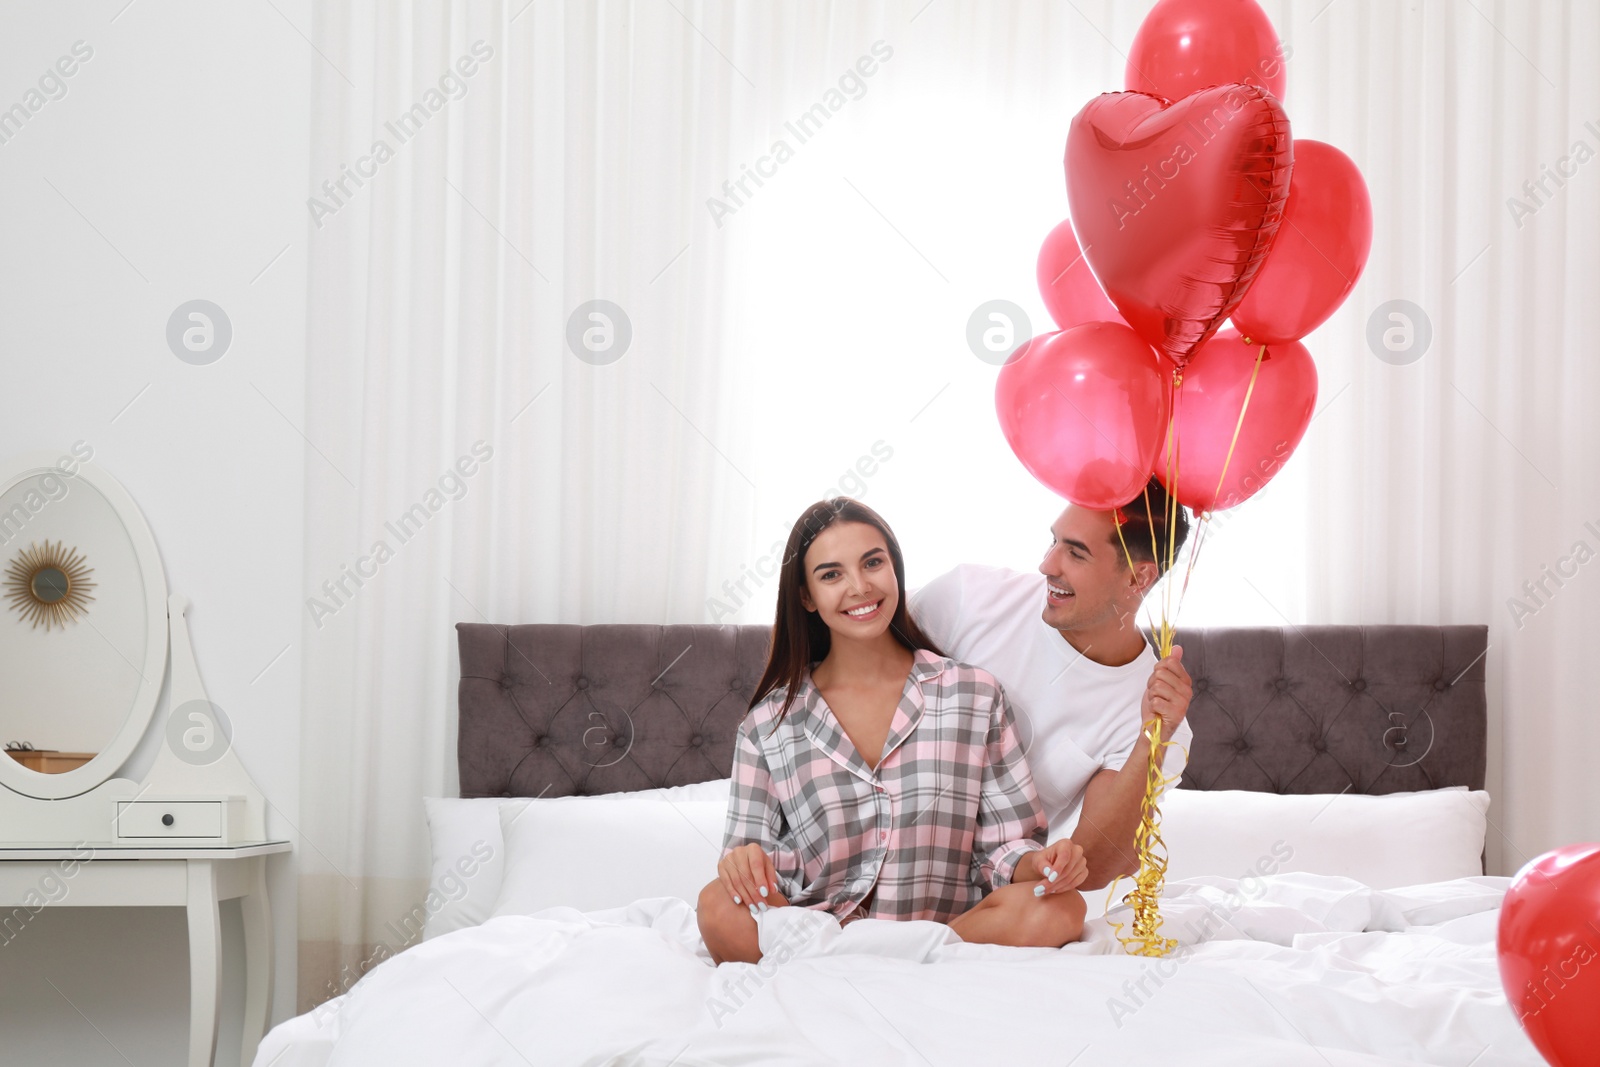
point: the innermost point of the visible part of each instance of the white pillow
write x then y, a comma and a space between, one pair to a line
607, 851
468, 850
468, 856
1385, 842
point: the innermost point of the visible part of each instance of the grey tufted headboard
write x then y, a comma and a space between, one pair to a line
559, 710
554, 711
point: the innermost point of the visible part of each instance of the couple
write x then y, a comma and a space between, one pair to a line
876, 776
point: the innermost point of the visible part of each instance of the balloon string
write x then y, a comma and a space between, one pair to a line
1156, 555
1116, 521
1166, 632
1171, 615
1150, 880
1194, 554
1205, 519
1237, 426
1145, 896
1150, 520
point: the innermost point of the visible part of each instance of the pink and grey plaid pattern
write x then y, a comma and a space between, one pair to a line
944, 818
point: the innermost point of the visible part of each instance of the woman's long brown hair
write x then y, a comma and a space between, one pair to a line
800, 637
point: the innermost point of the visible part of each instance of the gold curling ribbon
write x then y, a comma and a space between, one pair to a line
1151, 878
1145, 896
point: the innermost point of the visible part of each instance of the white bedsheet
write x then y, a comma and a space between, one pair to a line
1286, 970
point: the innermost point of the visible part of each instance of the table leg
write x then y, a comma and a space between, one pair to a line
255, 909
205, 937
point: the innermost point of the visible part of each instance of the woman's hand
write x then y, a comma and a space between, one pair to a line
1061, 865
748, 875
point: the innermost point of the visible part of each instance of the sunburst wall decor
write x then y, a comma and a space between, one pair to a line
49, 585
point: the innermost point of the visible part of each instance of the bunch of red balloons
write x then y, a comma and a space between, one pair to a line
1190, 204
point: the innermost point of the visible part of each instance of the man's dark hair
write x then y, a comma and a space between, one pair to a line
1136, 522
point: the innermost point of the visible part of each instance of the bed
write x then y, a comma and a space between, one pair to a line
1354, 928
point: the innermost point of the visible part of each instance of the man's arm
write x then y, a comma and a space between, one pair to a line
1109, 820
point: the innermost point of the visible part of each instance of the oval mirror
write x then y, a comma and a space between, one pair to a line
83, 625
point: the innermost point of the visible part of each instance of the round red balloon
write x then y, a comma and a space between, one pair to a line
1207, 410
1549, 948
1186, 45
1085, 411
1319, 252
1177, 206
1067, 284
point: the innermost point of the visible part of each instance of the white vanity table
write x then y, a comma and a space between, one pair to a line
191, 834
196, 879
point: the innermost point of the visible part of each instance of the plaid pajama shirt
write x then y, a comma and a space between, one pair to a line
943, 819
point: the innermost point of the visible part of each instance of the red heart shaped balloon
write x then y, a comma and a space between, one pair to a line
1320, 250
1177, 206
1549, 946
1068, 286
1184, 45
1085, 410
1282, 402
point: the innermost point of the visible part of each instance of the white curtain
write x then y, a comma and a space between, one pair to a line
564, 168
798, 206
1444, 484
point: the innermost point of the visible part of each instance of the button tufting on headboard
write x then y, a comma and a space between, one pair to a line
1311, 709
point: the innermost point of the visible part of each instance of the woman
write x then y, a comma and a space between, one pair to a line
873, 777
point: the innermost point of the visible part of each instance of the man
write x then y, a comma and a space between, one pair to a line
1065, 646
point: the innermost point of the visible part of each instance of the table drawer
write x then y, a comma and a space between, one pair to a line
153, 818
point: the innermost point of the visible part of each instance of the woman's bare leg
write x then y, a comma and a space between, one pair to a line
1012, 915
728, 929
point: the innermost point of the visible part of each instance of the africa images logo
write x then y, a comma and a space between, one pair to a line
452, 85
851, 85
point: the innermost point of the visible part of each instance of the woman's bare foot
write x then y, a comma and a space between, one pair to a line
1012, 915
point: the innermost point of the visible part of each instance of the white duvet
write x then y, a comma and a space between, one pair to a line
1285, 970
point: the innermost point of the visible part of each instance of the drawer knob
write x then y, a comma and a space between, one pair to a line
166, 820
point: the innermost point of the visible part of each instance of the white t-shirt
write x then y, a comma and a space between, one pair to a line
1075, 717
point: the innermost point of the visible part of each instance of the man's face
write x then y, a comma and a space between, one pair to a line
1090, 584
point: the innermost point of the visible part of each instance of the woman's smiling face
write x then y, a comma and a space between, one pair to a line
850, 581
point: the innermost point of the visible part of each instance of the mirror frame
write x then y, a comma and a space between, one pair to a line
109, 760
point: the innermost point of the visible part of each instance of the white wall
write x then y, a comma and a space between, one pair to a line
173, 168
